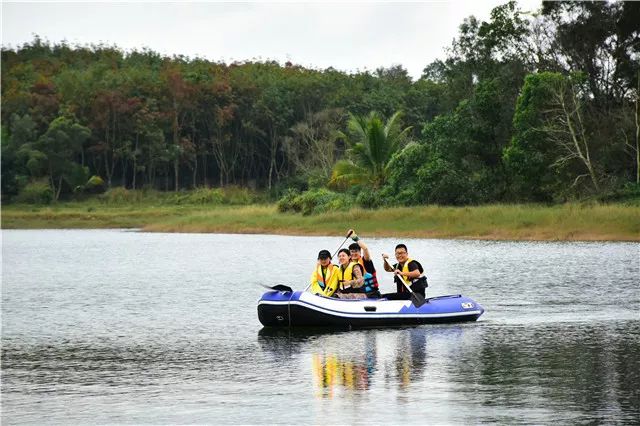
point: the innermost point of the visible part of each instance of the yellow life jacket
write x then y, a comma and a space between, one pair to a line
346, 275
405, 268
323, 280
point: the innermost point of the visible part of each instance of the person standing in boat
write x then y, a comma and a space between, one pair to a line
324, 279
407, 272
350, 278
360, 254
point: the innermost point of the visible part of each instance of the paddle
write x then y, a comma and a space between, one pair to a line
279, 287
417, 299
340, 246
334, 253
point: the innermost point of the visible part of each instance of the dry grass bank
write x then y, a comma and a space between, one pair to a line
501, 222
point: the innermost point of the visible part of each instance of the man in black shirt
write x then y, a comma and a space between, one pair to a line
408, 272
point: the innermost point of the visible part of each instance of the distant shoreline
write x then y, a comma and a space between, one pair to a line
519, 222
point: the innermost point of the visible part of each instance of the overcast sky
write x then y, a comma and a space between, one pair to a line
347, 36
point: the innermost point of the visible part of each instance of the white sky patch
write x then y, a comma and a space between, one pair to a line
347, 36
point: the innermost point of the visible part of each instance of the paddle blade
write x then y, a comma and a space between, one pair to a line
417, 300
279, 287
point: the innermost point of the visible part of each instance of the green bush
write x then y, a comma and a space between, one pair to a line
95, 185
38, 192
237, 195
628, 194
197, 196
120, 195
314, 201
290, 201
369, 199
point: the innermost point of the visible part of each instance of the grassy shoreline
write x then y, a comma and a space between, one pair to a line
568, 222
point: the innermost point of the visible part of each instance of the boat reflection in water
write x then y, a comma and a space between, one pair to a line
359, 364
410, 357
340, 369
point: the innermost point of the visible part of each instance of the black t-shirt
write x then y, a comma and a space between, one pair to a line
413, 265
368, 265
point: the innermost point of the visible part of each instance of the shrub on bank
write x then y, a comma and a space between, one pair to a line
198, 196
237, 195
369, 199
314, 201
120, 195
95, 185
38, 192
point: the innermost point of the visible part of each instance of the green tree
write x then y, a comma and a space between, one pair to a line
22, 131
372, 142
54, 153
551, 147
312, 146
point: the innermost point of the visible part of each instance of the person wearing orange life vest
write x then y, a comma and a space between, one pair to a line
324, 279
409, 271
350, 278
360, 253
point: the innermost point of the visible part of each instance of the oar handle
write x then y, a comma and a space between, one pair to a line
386, 259
340, 246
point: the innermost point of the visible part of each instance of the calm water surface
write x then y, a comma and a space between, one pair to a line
126, 327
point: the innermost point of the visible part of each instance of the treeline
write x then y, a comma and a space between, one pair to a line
525, 107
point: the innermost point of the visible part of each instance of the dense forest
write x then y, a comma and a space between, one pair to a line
540, 107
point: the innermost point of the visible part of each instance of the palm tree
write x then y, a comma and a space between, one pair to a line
372, 144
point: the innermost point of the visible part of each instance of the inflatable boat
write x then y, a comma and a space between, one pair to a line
298, 308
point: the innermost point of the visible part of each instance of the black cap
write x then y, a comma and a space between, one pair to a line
324, 254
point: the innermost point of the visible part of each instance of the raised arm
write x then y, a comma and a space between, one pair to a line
385, 262
365, 250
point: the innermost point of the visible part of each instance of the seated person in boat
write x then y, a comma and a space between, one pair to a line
350, 279
408, 272
324, 279
360, 254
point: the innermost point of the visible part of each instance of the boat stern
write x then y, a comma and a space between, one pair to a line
273, 308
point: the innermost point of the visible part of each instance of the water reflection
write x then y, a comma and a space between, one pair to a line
410, 357
140, 340
351, 371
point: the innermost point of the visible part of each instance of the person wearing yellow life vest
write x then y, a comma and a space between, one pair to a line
324, 279
350, 278
409, 271
360, 253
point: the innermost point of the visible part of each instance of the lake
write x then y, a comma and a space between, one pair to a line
113, 326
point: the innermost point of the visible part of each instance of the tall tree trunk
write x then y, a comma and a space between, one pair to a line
107, 169
638, 133
273, 147
124, 173
59, 188
135, 163
176, 169
205, 177
195, 173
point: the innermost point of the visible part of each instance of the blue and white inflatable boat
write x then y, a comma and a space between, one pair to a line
292, 309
